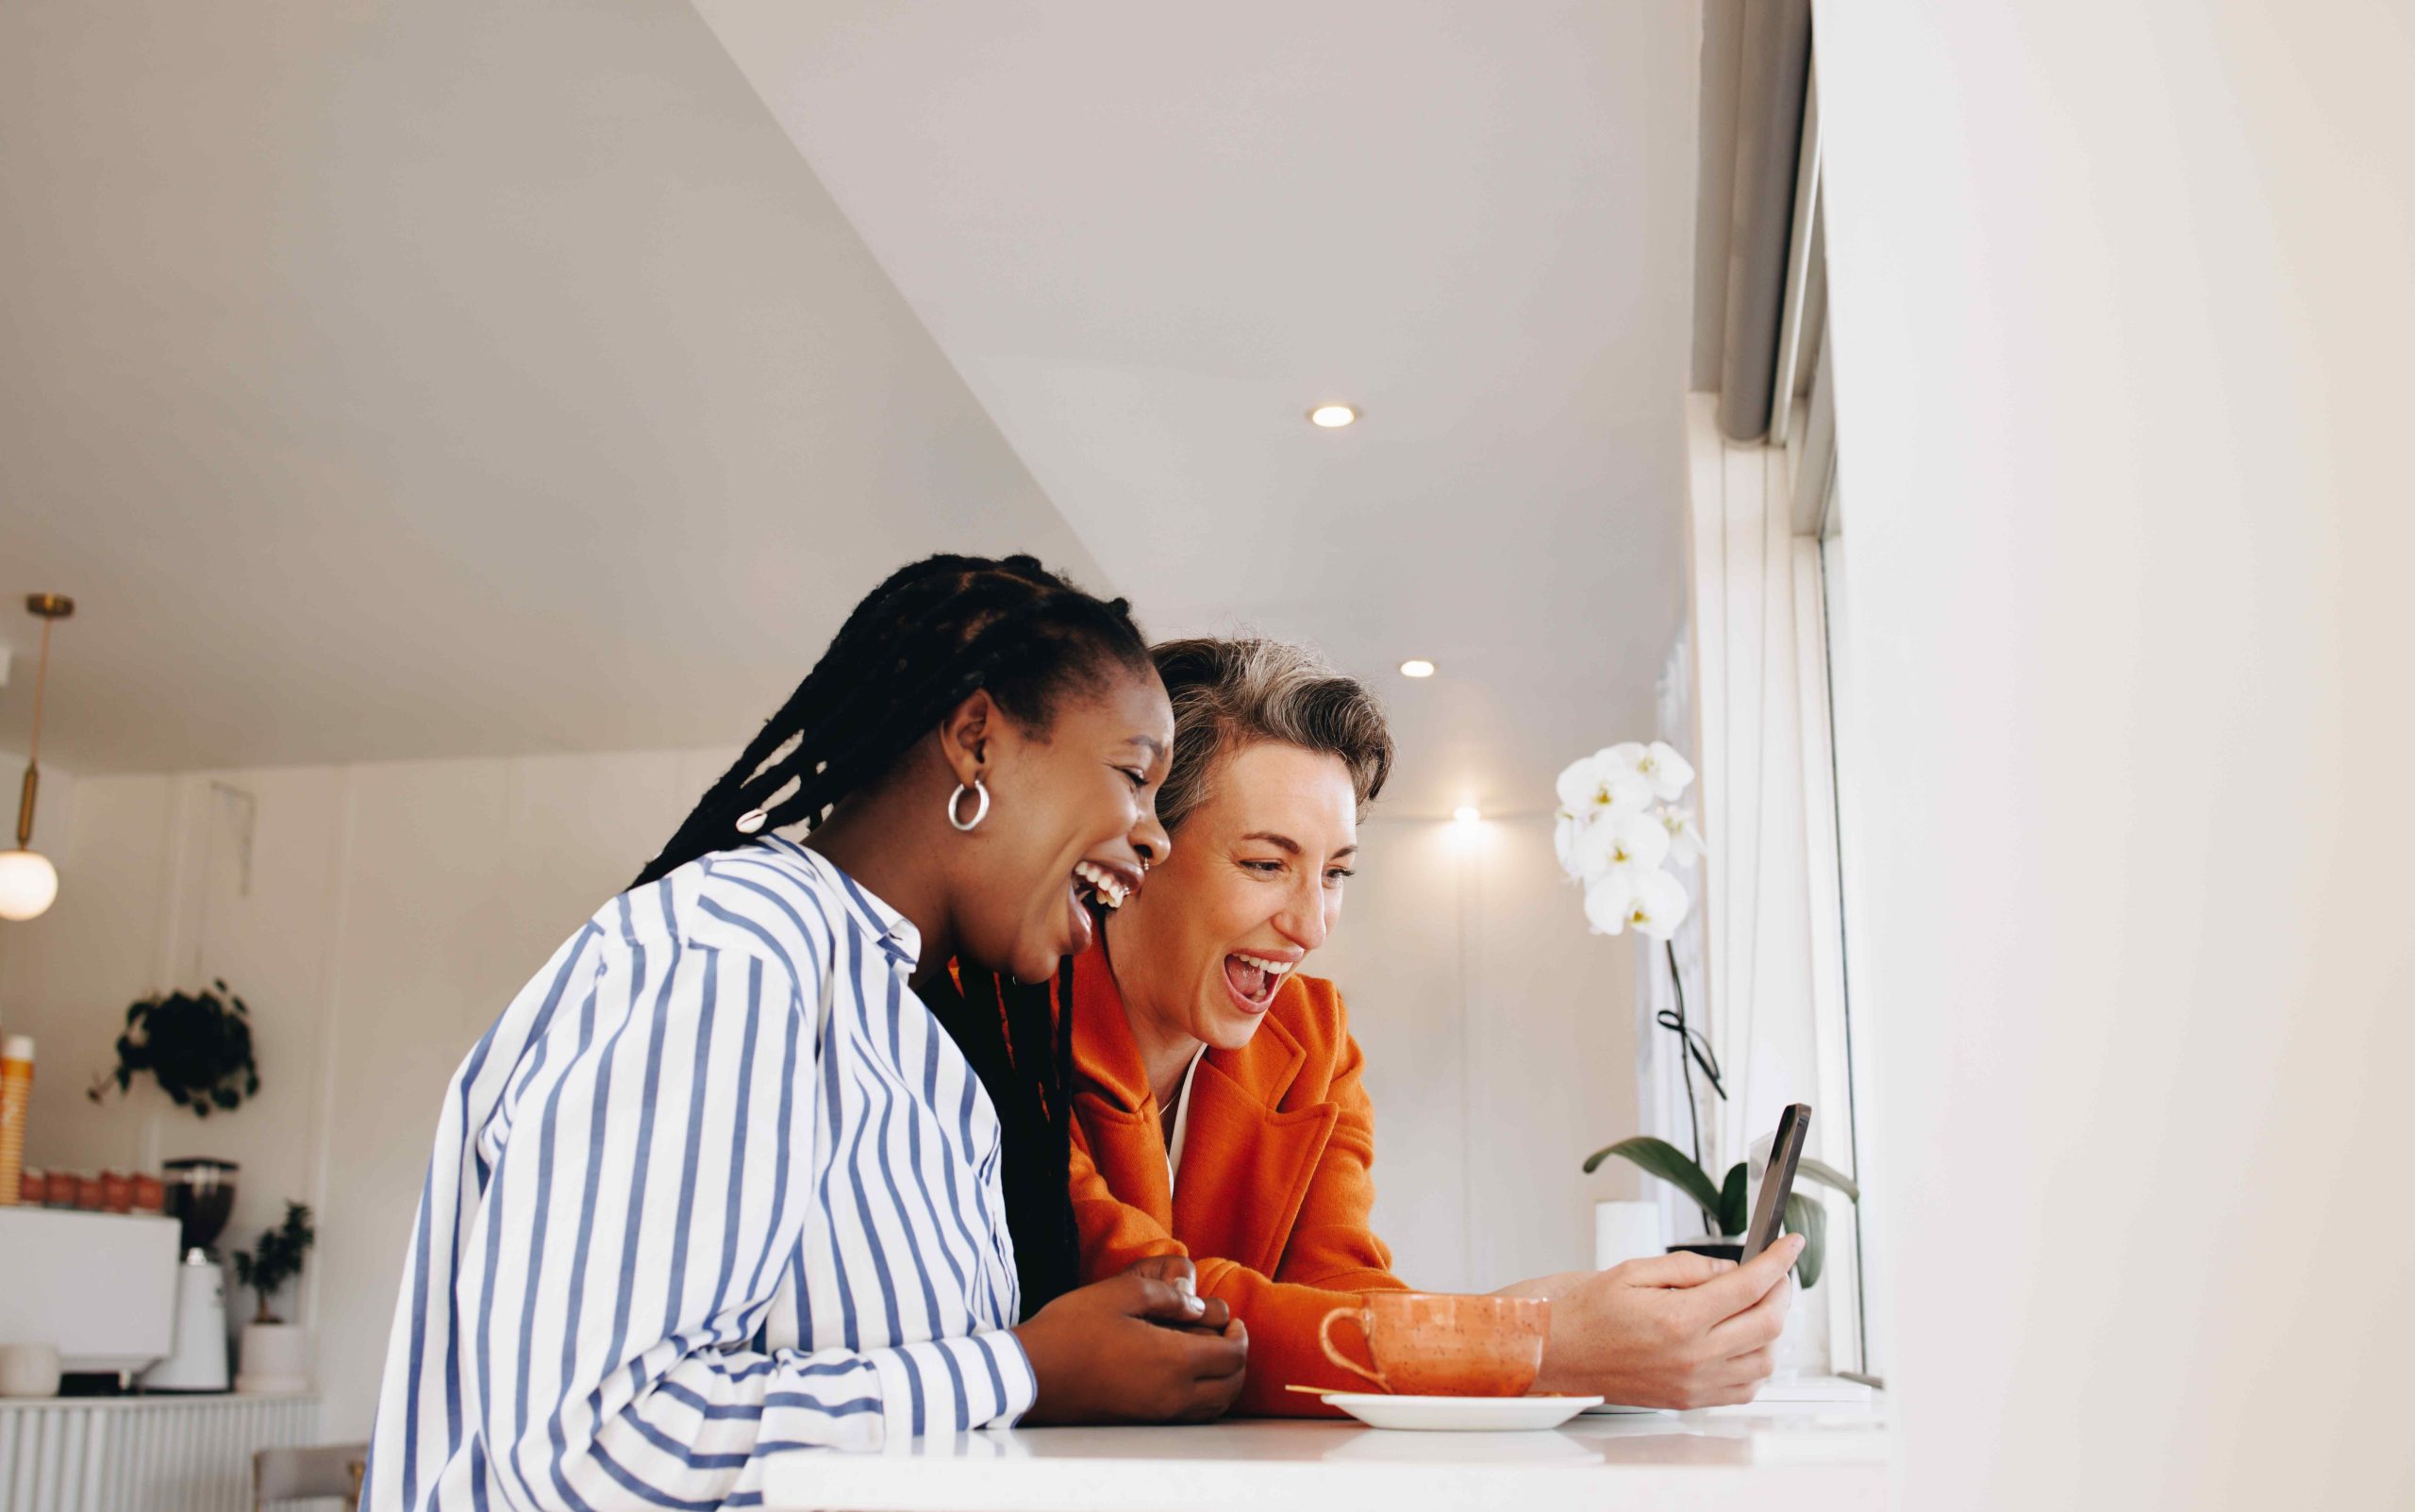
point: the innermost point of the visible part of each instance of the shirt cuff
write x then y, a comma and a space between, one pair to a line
949, 1385
1014, 1369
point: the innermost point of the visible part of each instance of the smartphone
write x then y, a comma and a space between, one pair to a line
1778, 1180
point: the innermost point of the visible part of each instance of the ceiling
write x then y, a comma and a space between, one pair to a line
444, 379
1149, 244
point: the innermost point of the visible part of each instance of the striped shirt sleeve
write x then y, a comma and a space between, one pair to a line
650, 1195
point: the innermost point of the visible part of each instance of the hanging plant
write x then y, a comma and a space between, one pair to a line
197, 1046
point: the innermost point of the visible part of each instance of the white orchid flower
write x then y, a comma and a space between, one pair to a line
1658, 766
1646, 897
1609, 899
1671, 774
1621, 837
1685, 844
1628, 756
1592, 786
1658, 905
1566, 827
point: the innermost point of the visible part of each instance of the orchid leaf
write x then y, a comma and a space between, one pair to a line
1828, 1176
1732, 1216
1810, 1219
1658, 1158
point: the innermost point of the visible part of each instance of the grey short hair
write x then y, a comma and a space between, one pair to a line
1231, 694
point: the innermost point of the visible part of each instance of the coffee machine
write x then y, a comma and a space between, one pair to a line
201, 1195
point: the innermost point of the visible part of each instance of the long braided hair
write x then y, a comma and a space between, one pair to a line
918, 645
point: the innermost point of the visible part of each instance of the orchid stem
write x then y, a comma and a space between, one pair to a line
1685, 1066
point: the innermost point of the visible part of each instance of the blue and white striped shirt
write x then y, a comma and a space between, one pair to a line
715, 1186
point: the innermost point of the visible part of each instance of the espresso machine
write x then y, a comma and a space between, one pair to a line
201, 1195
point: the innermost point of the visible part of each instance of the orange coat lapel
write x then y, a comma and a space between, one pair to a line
1247, 1160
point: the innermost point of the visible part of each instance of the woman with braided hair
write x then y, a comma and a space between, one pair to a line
740, 1169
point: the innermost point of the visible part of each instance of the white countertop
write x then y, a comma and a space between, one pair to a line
1804, 1458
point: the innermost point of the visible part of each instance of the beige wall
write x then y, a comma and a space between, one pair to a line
1500, 1041
394, 908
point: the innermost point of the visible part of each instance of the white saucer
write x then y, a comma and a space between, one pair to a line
1615, 1409
1460, 1414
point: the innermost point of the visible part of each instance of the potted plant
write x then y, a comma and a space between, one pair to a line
1723, 1205
196, 1046
276, 1355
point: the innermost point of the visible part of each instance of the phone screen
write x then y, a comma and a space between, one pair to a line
1777, 1182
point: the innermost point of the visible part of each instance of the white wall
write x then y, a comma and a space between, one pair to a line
2124, 326
1500, 1041
394, 908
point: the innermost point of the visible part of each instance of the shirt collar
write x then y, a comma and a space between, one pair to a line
893, 930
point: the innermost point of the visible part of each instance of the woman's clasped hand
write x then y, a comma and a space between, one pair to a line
1144, 1347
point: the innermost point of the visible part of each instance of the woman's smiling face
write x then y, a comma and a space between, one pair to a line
1254, 885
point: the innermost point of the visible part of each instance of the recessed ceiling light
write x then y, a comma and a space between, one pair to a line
1332, 417
1417, 667
1467, 813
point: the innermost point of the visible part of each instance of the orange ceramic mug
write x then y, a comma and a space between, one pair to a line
1423, 1344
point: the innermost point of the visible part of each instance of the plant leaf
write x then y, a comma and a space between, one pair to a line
1810, 1219
1732, 1216
1658, 1158
1828, 1176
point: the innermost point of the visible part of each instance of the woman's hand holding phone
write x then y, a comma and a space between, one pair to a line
1670, 1331
1140, 1347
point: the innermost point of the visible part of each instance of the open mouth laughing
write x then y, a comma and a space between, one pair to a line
1102, 884
1255, 979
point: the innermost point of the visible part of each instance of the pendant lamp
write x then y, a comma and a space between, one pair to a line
28, 880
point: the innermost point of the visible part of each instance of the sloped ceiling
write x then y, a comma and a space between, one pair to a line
1151, 237
444, 379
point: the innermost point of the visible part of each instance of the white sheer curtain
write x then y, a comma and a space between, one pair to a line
1659, 1058
1746, 695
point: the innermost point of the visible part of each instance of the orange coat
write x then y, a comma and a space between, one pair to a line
1272, 1201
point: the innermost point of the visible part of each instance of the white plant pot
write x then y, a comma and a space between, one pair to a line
1802, 1348
1624, 1231
275, 1359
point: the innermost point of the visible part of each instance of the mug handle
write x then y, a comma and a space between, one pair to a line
1324, 1338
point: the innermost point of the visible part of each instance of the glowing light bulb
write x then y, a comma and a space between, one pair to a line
1332, 417
1417, 667
29, 882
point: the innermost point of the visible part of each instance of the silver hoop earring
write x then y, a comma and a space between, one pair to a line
980, 806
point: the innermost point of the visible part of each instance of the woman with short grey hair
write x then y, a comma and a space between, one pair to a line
1219, 1107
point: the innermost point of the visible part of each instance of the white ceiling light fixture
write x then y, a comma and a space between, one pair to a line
1417, 667
29, 882
1332, 417
1468, 814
